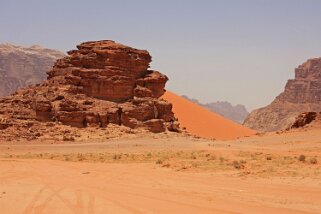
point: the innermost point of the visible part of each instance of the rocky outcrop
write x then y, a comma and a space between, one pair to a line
22, 66
236, 113
305, 119
302, 94
98, 84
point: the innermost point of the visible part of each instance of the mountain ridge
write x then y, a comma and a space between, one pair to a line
236, 113
23, 66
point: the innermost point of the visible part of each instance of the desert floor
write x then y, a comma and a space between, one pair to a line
267, 173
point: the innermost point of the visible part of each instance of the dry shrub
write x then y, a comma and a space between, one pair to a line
313, 161
301, 158
236, 165
222, 159
242, 161
159, 161
166, 165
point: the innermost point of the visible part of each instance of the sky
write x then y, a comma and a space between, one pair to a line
241, 51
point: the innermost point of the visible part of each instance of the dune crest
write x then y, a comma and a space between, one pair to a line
204, 123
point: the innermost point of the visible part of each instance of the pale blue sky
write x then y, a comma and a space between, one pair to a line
241, 51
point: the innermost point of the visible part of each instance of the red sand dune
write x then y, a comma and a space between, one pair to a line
204, 123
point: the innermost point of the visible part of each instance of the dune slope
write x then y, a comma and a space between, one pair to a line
204, 123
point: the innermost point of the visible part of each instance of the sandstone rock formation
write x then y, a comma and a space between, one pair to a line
236, 113
21, 66
101, 83
302, 94
307, 118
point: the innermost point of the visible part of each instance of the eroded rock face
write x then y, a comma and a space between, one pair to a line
305, 119
302, 94
22, 66
99, 84
109, 71
306, 87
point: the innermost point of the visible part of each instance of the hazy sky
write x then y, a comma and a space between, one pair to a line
241, 51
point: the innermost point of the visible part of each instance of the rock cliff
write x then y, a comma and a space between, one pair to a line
302, 94
100, 83
22, 66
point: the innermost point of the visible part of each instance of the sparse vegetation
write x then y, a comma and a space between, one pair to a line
301, 158
242, 161
313, 161
196, 160
159, 161
68, 138
222, 159
67, 158
81, 157
167, 165
193, 156
236, 165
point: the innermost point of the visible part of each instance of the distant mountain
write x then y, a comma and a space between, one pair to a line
236, 113
22, 66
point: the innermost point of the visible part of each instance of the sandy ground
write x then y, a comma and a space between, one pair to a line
268, 173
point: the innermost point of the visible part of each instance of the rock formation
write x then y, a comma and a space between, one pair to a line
236, 113
302, 94
21, 66
101, 83
307, 118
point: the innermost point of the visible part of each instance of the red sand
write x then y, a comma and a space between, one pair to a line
204, 123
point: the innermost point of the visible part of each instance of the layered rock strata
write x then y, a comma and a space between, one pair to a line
100, 83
